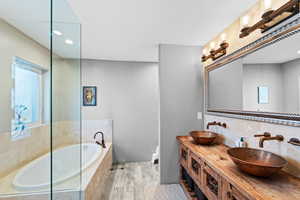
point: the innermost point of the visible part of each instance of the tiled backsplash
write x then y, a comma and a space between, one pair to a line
244, 128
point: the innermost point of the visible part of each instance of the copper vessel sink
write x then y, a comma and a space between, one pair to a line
256, 162
203, 137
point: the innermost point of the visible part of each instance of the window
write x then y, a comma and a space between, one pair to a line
27, 95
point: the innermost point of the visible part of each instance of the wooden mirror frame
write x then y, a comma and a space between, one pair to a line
281, 33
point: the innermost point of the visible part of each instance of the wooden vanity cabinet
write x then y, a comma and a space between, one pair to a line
207, 172
229, 192
211, 183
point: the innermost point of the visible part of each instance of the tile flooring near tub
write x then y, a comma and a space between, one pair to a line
139, 181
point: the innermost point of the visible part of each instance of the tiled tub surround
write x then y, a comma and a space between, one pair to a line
245, 128
93, 179
15, 154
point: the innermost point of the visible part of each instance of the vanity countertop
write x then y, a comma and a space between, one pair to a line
279, 186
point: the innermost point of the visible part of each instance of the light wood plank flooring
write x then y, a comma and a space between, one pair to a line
139, 181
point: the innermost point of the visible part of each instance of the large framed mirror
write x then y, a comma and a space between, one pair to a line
262, 85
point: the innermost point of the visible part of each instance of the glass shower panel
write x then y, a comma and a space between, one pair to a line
66, 101
25, 99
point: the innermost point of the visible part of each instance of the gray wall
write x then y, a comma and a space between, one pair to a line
226, 87
181, 97
127, 94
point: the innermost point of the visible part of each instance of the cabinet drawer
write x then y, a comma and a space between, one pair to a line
231, 193
211, 183
195, 168
183, 156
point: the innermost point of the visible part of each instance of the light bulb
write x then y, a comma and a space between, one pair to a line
212, 45
245, 20
267, 4
223, 37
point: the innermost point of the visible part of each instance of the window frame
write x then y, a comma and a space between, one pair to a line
40, 71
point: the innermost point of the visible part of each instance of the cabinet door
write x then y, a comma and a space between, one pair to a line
211, 183
194, 166
183, 156
229, 192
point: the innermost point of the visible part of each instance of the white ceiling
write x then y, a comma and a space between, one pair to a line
33, 19
133, 29
280, 52
129, 30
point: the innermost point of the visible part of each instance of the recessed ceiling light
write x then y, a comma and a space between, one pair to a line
68, 41
56, 32
298, 52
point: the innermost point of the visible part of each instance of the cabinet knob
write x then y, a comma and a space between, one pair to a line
229, 195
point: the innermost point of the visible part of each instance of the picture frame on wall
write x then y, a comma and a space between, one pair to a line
89, 95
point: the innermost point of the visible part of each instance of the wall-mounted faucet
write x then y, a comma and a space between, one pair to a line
214, 123
294, 141
267, 136
102, 141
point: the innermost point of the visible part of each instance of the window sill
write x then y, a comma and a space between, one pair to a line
26, 133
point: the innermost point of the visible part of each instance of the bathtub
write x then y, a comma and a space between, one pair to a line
66, 164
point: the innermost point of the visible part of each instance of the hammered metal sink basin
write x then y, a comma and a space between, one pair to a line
203, 137
256, 162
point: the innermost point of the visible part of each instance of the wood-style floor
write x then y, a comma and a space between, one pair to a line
139, 181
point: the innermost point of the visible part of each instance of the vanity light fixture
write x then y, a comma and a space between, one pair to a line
212, 45
56, 32
271, 18
68, 41
215, 54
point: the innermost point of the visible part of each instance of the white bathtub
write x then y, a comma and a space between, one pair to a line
66, 164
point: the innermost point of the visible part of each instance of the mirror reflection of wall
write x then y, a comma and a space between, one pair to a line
259, 79
225, 87
268, 79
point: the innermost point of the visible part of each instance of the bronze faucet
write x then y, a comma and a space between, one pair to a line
214, 123
211, 124
102, 141
267, 136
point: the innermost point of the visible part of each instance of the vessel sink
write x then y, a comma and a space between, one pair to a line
203, 137
256, 162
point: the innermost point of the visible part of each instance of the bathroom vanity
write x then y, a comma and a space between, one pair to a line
210, 171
